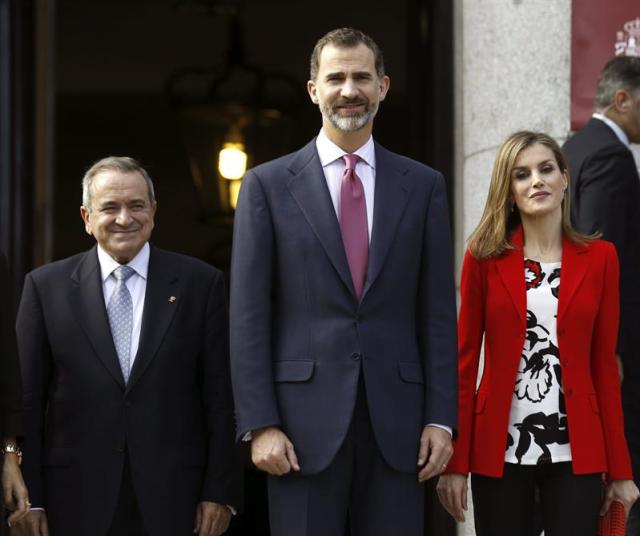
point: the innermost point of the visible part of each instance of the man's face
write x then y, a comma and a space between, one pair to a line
121, 213
632, 127
347, 88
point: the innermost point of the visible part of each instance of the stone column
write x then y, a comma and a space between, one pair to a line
512, 73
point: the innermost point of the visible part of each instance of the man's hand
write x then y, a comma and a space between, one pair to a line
272, 451
34, 524
212, 519
452, 492
16, 497
624, 491
435, 451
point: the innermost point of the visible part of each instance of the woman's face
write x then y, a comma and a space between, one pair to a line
537, 183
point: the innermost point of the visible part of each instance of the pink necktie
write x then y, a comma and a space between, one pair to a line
353, 223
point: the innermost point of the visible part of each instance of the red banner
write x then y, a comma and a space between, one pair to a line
600, 29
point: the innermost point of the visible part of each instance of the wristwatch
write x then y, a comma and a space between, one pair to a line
14, 449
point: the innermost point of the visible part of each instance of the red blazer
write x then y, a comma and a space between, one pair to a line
493, 304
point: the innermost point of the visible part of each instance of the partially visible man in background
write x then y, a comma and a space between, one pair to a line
16, 498
605, 197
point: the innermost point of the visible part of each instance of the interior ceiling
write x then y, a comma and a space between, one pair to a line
135, 46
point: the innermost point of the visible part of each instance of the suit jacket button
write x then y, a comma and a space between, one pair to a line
128, 403
356, 356
568, 392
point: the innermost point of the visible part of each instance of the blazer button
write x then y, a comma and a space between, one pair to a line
568, 392
356, 356
128, 403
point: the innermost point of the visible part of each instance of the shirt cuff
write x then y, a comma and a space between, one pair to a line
443, 427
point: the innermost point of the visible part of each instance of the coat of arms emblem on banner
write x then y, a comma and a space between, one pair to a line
628, 40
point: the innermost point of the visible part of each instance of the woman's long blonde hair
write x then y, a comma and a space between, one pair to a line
501, 216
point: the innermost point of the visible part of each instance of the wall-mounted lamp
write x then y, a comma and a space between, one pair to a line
231, 116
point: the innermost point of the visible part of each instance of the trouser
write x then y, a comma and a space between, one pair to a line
358, 485
569, 504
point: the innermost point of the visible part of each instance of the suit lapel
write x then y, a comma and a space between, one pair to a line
510, 267
87, 299
391, 195
162, 297
309, 190
572, 272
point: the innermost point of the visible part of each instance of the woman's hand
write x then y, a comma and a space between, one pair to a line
624, 491
452, 492
16, 498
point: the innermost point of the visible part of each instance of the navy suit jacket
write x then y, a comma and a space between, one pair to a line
300, 336
174, 417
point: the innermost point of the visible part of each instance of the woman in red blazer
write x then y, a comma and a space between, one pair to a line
546, 415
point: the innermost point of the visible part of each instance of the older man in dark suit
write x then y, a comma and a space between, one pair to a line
129, 417
605, 198
343, 320
16, 499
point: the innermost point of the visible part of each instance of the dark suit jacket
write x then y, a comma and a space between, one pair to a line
299, 335
174, 417
493, 307
605, 197
10, 383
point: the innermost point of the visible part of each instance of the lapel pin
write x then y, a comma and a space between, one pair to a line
172, 299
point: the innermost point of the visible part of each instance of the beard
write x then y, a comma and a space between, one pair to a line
349, 123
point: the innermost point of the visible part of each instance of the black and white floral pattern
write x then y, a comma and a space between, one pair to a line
538, 420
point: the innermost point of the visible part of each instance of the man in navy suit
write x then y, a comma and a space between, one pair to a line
128, 407
605, 198
343, 319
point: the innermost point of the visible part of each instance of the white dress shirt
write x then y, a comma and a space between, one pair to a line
333, 166
137, 285
621, 134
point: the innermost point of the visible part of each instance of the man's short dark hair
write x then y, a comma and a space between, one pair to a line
345, 38
622, 72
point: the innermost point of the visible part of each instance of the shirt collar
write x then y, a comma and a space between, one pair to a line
621, 134
329, 152
140, 263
